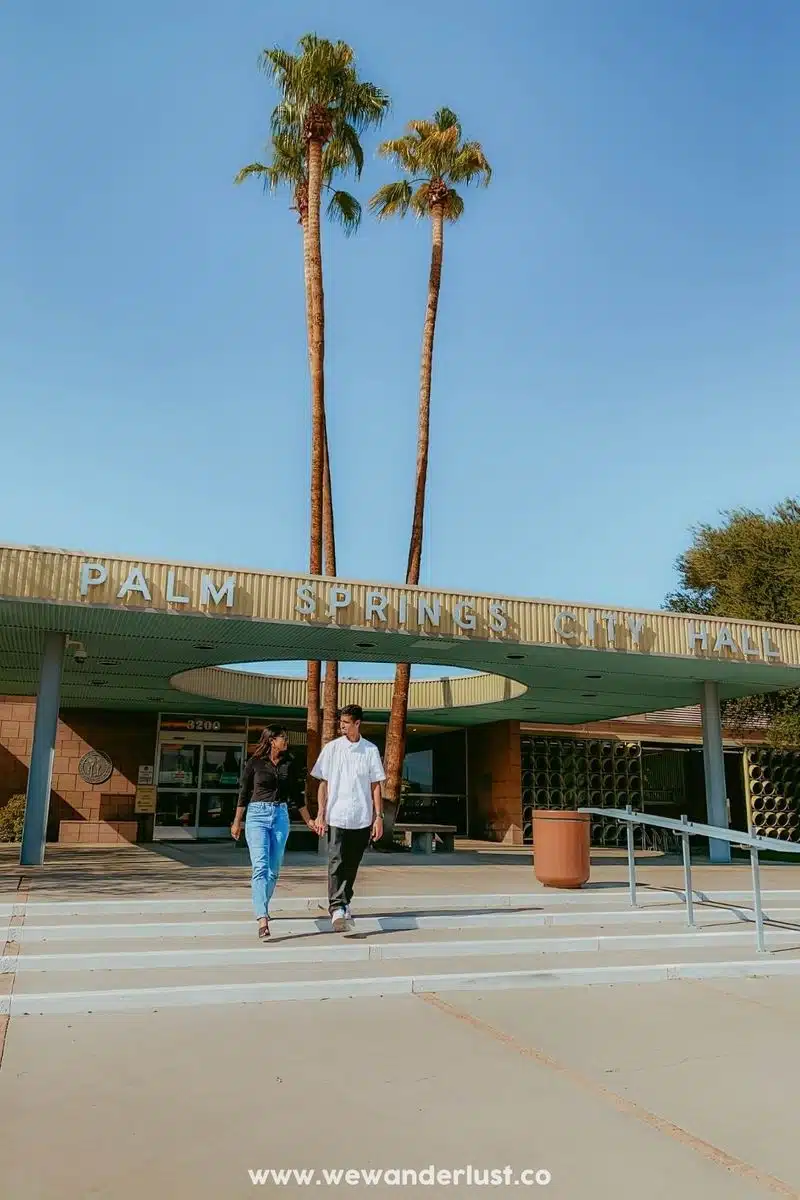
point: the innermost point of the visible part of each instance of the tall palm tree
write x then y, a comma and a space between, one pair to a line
288, 168
434, 160
323, 100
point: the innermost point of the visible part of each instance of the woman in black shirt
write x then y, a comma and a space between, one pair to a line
270, 786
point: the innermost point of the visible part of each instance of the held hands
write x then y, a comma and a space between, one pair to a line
236, 830
377, 829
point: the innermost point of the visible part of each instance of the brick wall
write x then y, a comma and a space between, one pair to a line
79, 811
495, 782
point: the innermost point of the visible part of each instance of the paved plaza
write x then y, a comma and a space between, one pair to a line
615, 1090
215, 869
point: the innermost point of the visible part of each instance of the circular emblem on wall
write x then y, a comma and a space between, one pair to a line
95, 767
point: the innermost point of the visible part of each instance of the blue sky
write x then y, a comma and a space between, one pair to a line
617, 354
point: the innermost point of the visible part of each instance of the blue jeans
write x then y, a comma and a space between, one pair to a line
266, 831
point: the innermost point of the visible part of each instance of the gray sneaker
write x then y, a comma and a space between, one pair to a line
339, 920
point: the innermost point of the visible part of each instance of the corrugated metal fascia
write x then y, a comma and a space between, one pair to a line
53, 576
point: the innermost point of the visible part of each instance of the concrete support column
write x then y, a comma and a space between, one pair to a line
37, 802
714, 766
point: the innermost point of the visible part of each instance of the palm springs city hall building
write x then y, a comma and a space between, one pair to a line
123, 718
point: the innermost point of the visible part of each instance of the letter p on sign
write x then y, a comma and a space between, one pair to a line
92, 575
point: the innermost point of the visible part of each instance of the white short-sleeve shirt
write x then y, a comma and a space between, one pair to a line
349, 769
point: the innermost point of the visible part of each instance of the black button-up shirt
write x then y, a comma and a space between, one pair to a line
272, 783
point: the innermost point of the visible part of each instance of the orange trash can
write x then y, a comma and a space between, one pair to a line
561, 840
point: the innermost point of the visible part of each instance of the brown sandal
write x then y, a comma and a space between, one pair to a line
263, 931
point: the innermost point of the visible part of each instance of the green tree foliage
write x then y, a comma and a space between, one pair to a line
748, 568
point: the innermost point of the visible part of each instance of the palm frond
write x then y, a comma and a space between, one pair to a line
323, 74
250, 170
470, 164
433, 152
287, 118
392, 200
445, 118
420, 201
323, 56
271, 176
453, 206
361, 104
319, 75
336, 159
344, 210
278, 65
404, 151
438, 151
346, 145
289, 144
423, 129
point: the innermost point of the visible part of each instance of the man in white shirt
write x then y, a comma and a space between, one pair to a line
350, 809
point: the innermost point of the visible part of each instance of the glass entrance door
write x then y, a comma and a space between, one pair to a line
220, 772
198, 782
176, 798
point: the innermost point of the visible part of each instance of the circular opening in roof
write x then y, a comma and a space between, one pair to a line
369, 672
281, 685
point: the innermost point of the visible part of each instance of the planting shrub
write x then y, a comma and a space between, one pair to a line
12, 817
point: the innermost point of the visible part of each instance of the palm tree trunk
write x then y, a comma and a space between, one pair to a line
396, 731
426, 369
330, 704
330, 697
316, 354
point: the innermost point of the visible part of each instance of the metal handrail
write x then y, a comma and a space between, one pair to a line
689, 829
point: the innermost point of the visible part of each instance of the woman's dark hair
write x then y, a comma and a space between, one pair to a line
265, 741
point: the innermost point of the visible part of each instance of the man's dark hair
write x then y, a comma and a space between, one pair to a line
352, 710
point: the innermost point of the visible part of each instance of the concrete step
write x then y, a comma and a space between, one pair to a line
146, 954
292, 932
305, 982
585, 898
75, 957
171, 926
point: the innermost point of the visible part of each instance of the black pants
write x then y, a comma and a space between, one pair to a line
345, 850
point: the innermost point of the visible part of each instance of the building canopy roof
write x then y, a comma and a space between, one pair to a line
155, 633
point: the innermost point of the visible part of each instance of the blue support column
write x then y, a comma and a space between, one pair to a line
714, 765
37, 802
